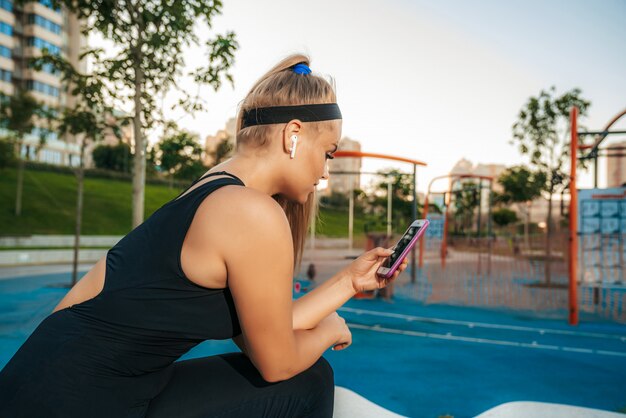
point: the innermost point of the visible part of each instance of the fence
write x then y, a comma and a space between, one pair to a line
482, 271
505, 273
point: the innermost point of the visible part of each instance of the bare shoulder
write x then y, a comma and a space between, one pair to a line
227, 226
240, 220
242, 204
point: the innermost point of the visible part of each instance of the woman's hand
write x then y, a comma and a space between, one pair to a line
336, 325
362, 271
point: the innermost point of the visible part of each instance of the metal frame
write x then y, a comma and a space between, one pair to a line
573, 206
359, 154
595, 147
453, 178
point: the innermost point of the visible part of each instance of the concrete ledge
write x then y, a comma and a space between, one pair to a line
59, 241
523, 409
40, 257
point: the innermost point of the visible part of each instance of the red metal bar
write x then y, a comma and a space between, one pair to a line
424, 215
373, 155
573, 220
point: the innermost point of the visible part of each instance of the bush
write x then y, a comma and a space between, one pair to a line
113, 157
335, 200
504, 217
8, 156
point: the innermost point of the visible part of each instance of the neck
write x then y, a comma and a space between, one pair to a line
256, 173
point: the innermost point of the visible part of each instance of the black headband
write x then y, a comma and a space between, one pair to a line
283, 114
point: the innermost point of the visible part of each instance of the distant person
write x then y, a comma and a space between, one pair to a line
311, 272
217, 262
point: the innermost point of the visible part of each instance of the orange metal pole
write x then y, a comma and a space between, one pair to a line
444, 244
359, 154
424, 215
573, 220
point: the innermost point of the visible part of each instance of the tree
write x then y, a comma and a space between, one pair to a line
222, 151
520, 187
179, 153
402, 188
503, 217
18, 115
88, 120
149, 37
542, 133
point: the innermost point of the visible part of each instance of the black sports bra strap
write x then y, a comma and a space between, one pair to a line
216, 173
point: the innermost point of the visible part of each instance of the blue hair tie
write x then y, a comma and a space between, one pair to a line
301, 69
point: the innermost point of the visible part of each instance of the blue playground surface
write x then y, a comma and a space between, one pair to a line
421, 360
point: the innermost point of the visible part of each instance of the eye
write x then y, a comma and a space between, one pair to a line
329, 156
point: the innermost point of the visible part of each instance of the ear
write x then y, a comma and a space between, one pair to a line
294, 127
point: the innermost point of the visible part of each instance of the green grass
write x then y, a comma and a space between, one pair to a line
334, 223
49, 205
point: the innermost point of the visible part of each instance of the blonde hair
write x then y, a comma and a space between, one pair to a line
280, 86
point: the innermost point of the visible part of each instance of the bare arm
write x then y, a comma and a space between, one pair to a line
313, 307
320, 302
86, 288
259, 259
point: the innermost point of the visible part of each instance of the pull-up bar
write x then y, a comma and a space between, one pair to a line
604, 133
594, 148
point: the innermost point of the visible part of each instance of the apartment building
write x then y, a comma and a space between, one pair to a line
343, 183
212, 141
25, 30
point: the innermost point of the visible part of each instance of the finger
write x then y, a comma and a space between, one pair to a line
380, 252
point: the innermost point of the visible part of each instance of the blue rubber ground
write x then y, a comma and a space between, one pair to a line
421, 360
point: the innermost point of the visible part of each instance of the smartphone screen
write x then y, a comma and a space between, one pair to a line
400, 246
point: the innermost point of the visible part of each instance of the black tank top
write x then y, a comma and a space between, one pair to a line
146, 291
110, 354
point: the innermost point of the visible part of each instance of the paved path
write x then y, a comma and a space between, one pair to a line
414, 359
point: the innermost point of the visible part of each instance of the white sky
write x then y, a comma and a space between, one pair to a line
435, 81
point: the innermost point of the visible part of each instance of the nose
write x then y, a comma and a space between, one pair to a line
326, 172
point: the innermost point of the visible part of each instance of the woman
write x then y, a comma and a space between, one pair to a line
217, 262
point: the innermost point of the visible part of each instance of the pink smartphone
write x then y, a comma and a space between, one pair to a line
402, 248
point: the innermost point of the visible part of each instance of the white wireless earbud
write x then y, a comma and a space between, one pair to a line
294, 142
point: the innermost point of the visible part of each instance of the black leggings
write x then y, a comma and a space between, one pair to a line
228, 385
